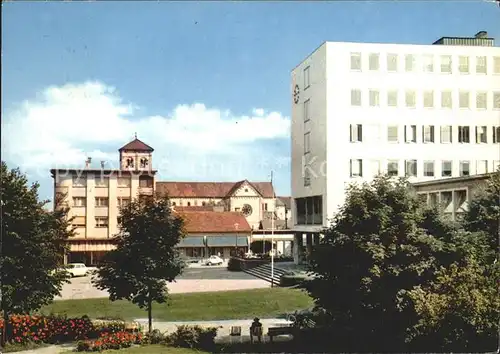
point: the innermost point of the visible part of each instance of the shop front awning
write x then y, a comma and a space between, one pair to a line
191, 241
227, 241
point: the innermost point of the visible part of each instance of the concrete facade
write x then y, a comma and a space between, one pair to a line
363, 109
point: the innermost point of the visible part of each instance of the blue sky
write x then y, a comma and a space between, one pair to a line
205, 83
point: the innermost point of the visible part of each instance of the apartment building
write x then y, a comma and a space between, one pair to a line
363, 109
95, 195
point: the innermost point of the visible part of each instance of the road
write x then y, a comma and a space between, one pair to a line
194, 279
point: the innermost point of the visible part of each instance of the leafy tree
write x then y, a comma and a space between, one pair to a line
459, 309
380, 245
145, 257
33, 246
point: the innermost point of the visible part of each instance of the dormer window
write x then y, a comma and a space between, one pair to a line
130, 162
144, 162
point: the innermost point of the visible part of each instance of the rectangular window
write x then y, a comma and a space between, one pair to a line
428, 134
463, 134
79, 181
307, 110
411, 133
392, 98
481, 99
101, 202
79, 202
446, 64
481, 65
464, 168
392, 168
101, 182
481, 135
307, 83
463, 99
78, 221
392, 62
496, 100
446, 99
411, 168
392, 133
123, 182
307, 142
481, 166
496, 135
446, 134
429, 168
101, 221
410, 98
356, 168
355, 97
496, 65
374, 98
145, 181
123, 201
356, 133
428, 63
446, 168
356, 61
373, 61
409, 62
463, 64
307, 177
428, 99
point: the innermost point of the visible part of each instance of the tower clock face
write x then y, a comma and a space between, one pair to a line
296, 94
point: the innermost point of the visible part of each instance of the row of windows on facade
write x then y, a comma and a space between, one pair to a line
130, 162
428, 63
100, 201
123, 182
411, 168
429, 134
195, 203
100, 221
428, 99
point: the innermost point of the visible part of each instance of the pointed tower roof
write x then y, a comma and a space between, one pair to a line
136, 145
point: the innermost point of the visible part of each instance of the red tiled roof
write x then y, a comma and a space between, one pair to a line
136, 145
209, 189
213, 221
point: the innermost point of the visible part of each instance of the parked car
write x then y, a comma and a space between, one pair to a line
214, 260
77, 269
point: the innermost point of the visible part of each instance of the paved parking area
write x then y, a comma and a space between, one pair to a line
194, 279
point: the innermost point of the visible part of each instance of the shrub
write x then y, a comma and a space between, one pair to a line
194, 337
292, 279
106, 341
155, 337
101, 326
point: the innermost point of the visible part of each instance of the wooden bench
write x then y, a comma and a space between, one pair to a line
279, 331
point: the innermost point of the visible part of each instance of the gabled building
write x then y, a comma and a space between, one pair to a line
255, 200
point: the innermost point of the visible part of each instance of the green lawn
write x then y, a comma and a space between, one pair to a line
240, 304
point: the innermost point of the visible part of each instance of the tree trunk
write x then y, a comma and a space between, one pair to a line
4, 329
150, 315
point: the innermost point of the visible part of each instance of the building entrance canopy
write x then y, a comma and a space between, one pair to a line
227, 241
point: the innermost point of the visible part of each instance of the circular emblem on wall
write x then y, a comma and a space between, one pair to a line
247, 210
296, 94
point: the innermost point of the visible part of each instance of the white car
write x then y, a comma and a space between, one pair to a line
214, 260
77, 269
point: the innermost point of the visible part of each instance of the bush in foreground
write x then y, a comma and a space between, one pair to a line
193, 337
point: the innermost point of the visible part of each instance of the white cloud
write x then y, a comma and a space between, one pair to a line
62, 122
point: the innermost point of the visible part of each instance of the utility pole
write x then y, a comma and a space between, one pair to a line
272, 232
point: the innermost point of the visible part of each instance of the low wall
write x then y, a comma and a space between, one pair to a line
241, 264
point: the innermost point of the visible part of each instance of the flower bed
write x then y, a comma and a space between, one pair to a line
116, 340
24, 329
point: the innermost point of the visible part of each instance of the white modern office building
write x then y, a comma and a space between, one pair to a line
360, 109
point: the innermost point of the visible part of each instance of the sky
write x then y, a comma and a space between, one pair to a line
206, 84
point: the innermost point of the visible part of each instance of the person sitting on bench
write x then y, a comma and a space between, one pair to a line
256, 330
